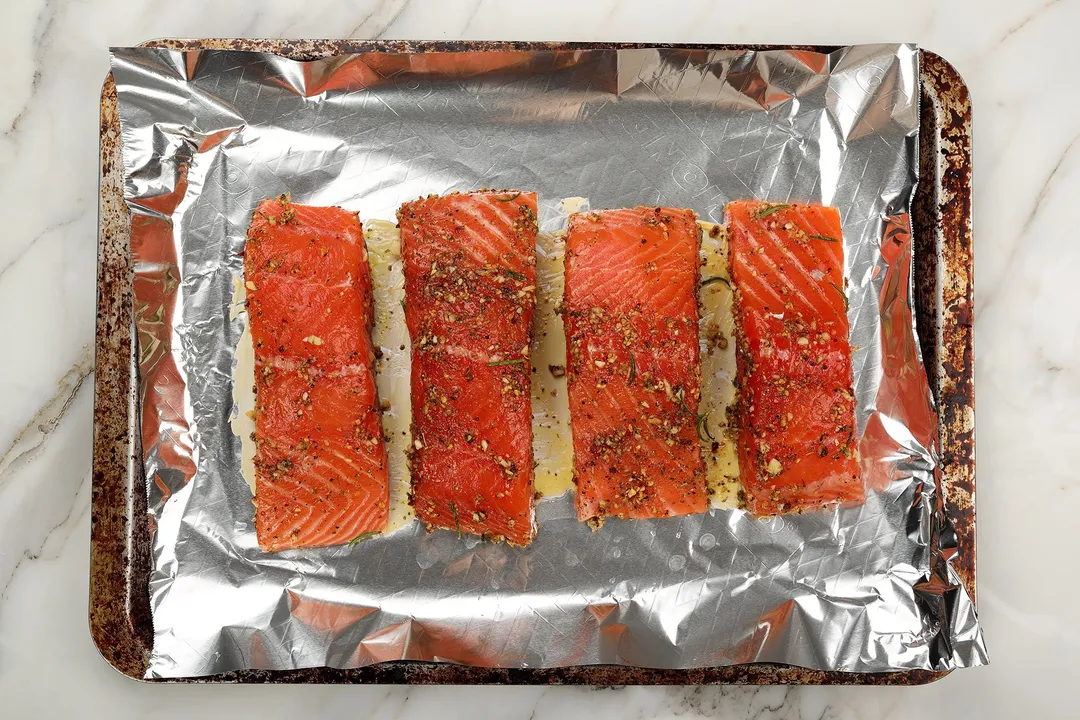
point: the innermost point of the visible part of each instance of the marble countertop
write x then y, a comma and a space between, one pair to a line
1015, 58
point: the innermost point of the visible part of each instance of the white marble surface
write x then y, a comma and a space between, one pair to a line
1016, 56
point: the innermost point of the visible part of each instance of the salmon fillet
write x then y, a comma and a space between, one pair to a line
631, 317
796, 408
320, 463
470, 290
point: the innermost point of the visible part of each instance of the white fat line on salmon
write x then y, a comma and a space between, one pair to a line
553, 449
243, 386
392, 370
716, 335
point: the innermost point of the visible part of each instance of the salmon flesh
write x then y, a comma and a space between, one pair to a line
796, 409
470, 291
633, 367
320, 463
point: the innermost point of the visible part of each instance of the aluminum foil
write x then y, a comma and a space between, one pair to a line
208, 134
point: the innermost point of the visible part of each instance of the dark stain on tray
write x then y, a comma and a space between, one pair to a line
120, 619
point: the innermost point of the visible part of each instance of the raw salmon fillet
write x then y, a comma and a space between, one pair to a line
631, 317
796, 408
320, 463
470, 290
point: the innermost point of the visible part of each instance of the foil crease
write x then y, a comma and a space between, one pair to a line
207, 134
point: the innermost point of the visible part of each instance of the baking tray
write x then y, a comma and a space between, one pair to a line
120, 563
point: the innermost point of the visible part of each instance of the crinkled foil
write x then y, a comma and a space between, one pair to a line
206, 135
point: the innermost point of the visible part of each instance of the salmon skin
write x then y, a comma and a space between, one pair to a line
796, 407
320, 463
631, 317
470, 290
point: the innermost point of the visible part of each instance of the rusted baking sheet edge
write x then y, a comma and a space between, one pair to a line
120, 619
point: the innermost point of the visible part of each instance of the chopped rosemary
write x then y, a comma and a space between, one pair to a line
826, 238
764, 212
633, 370
513, 197
515, 275
703, 426
715, 279
501, 363
362, 537
457, 524
894, 232
681, 395
842, 294
700, 420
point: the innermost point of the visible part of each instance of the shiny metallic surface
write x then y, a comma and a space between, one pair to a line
207, 134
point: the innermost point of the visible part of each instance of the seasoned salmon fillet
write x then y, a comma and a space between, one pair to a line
631, 318
796, 408
470, 290
320, 463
